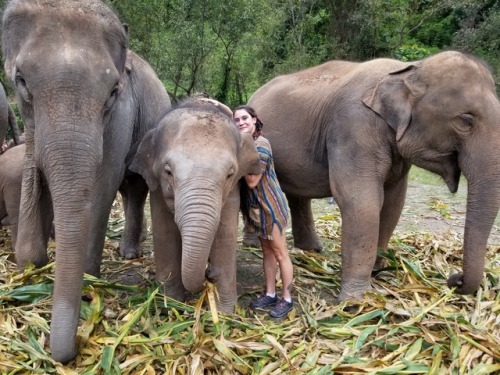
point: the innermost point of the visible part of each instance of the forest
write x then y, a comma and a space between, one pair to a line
230, 48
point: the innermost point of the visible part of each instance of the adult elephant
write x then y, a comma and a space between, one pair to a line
86, 102
193, 162
352, 130
7, 118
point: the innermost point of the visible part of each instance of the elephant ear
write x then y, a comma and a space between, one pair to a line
392, 98
144, 160
11, 40
249, 161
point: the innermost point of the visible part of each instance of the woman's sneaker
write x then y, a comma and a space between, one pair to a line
264, 301
281, 308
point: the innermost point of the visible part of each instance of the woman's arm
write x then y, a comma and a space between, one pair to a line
252, 180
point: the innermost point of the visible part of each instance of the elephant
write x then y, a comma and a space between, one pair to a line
7, 118
11, 175
352, 130
86, 101
192, 163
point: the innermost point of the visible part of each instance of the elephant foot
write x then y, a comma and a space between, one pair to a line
353, 293
178, 295
250, 240
381, 264
314, 245
462, 287
39, 260
227, 307
130, 252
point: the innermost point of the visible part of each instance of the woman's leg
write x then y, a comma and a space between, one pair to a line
270, 266
277, 247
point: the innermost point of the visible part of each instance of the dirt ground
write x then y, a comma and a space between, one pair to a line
428, 209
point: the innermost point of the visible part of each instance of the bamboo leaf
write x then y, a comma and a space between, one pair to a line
364, 317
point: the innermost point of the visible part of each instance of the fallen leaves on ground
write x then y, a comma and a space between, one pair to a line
410, 323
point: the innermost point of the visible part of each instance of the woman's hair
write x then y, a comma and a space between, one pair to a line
258, 124
244, 205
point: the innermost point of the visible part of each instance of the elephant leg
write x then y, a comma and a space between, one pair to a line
394, 200
35, 220
3, 210
134, 191
101, 208
222, 260
168, 247
304, 233
250, 239
11, 207
360, 229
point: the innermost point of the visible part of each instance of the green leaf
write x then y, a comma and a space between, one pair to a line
363, 336
31, 293
364, 317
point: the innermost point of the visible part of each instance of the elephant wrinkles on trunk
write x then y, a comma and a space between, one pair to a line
352, 130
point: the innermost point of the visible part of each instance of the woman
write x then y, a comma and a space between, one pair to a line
265, 211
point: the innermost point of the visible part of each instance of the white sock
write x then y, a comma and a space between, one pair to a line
289, 300
272, 295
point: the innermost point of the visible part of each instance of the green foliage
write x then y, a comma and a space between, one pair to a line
229, 49
412, 52
479, 32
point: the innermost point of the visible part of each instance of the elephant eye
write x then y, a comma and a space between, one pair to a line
20, 80
230, 174
112, 96
468, 119
21, 87
168, 171
114, 92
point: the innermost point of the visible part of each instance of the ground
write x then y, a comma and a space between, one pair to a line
410, 323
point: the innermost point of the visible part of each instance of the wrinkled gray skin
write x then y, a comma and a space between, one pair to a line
352, 130
11, 175
7, 118
86, 102
192, 163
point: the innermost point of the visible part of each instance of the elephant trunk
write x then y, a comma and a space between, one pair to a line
197, 214
483, 202
69, 161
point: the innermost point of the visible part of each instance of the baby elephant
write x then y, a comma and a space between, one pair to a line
192, 163
11, 175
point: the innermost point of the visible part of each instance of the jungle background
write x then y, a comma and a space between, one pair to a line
411, 323
230, 48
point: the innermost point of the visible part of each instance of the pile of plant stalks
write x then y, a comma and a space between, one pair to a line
410, 323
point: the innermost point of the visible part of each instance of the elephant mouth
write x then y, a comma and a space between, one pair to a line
452, 178
447, 167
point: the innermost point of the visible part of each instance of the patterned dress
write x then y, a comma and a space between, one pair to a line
266, 202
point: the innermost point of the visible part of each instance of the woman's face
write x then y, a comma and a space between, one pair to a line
244, 121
